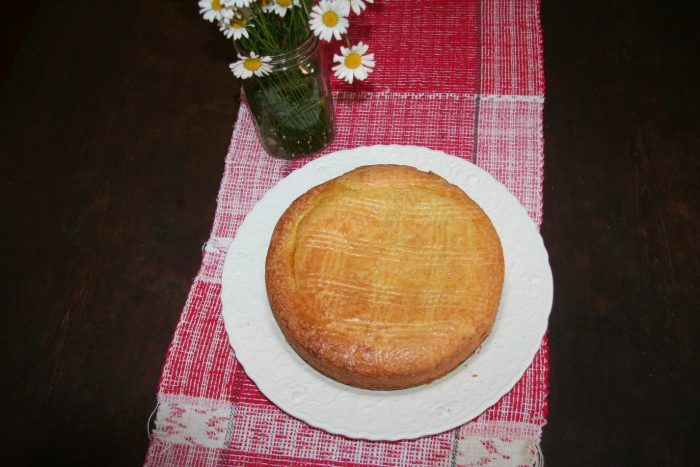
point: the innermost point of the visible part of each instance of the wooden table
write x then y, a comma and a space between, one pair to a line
114, 123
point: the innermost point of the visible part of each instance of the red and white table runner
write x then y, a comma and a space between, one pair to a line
462, 77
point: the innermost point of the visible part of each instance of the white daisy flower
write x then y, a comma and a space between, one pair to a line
268, 6
357, 5
329, 19
215, 10
235, 27
238, 3
281, 6
353, 63
249, 66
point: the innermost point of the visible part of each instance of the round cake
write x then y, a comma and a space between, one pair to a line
386, 277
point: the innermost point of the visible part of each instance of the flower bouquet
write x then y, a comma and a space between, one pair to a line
284, 74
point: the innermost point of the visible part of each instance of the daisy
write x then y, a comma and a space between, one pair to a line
215, 10
235, 27
267, 5
249, 66
353, 63
238, 3
281, 6
329, 19
357, 5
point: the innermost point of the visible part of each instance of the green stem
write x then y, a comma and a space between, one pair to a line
273, 35
291, 107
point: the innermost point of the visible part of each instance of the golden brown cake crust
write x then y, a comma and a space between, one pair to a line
386, 277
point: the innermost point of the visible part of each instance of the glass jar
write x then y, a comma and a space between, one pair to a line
292, 106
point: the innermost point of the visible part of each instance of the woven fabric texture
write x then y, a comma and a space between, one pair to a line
462, 77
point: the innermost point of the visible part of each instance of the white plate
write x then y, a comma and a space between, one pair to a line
284, 378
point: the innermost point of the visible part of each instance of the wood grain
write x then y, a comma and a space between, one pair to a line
114, 127
621, 224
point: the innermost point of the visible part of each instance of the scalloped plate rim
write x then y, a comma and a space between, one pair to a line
301, 177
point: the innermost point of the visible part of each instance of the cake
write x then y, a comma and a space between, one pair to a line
386, 277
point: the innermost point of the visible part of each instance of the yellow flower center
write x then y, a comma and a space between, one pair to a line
252, 64
216, 5
353, 60
284, 3
330, 18
264, 2
237, 23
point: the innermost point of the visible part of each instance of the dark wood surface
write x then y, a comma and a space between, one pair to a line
621, 223
113, 127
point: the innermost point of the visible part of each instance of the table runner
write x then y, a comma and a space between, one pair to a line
462, 77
